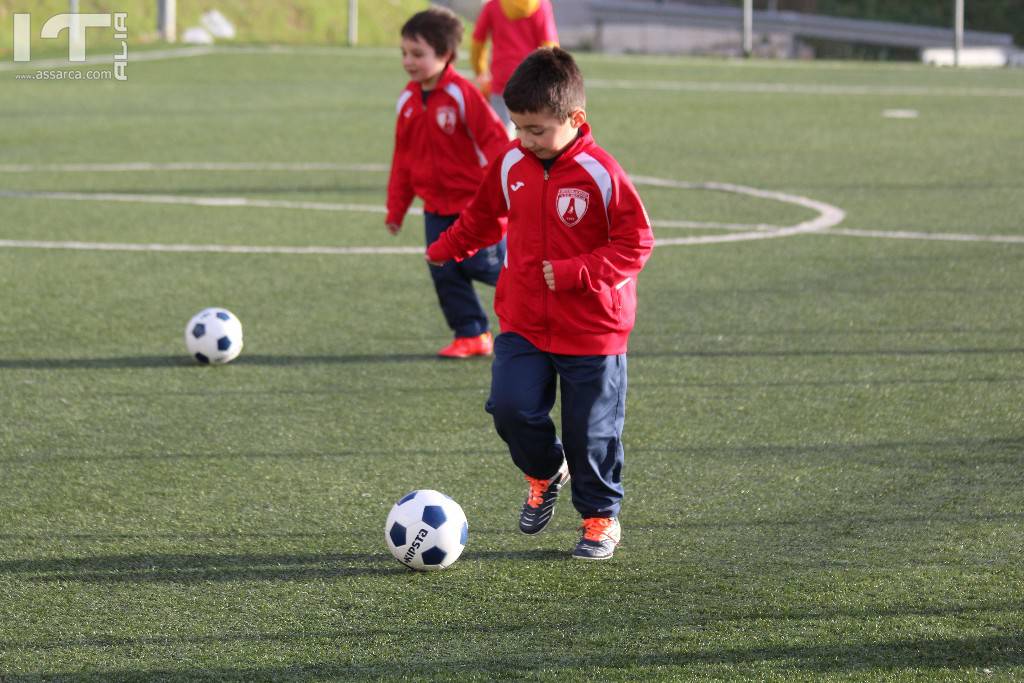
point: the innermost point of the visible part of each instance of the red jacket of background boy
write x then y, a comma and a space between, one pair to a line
586, 218
513, 38
442, 147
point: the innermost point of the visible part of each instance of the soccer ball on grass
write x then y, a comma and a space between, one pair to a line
426, 530
214, 335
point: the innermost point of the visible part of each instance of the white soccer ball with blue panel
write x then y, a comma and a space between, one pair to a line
214, 335
426, 530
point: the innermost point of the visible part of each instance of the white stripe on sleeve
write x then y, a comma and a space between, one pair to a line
511, 158
600, 175
456, 95
402, 99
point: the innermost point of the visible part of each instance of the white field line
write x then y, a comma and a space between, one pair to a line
682, 61
198, 51
711, 225
378, 52
203, 248
801, 88
142, 166
94, 60
311, 50
901, 113
222, 202
219, 202
686, 86
934, 236
828, 215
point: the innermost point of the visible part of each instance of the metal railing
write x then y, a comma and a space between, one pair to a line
799, 25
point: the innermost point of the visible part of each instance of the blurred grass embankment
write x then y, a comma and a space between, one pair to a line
314, 22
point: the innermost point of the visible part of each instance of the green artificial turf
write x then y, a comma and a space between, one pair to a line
824, 434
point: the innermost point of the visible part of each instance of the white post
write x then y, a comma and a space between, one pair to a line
353, 22
168, 18
958, 32
748, 27
74, 34
22, 37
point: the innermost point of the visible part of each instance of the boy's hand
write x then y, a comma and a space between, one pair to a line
483, 82
393, 228
434, 263
549, 275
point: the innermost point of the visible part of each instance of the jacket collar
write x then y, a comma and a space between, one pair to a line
447, 76
583, 141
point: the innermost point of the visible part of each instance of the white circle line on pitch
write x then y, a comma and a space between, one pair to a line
827, 217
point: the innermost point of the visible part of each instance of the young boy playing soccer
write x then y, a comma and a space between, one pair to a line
578, 236
445, 136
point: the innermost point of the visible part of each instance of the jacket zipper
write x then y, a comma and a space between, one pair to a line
544, 233
426, 114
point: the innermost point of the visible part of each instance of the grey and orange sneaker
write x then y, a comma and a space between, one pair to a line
540, 501
600, 536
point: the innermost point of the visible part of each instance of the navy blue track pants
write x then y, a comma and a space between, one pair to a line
593, 388
453, 281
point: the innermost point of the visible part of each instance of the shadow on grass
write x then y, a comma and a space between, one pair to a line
873, 382
200, 568
952, 451
1013, 445
801, 353
264, 455
282, 360
540, 554
98, 640
95, 363
125, 362
195, 536
840, 523
182, 568
887, 656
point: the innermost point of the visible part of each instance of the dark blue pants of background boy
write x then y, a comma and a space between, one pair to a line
453, 281
523, 382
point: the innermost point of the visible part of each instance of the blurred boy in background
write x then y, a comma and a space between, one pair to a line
445, 136
516, 28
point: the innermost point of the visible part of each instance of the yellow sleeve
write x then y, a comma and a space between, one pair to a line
478, 57
549, 43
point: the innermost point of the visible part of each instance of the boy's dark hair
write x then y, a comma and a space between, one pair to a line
439, 28
548, 79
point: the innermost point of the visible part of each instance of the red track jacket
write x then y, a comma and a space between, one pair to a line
443, 147
586, 218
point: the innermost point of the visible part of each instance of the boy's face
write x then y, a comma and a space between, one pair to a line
544, 134
421, 62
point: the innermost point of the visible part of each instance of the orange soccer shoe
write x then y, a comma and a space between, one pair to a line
540, 501
464, 347
600, 536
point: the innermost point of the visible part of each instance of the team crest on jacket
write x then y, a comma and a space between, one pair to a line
446, 119
571, 205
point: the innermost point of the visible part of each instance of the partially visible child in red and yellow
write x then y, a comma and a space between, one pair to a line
516, 28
